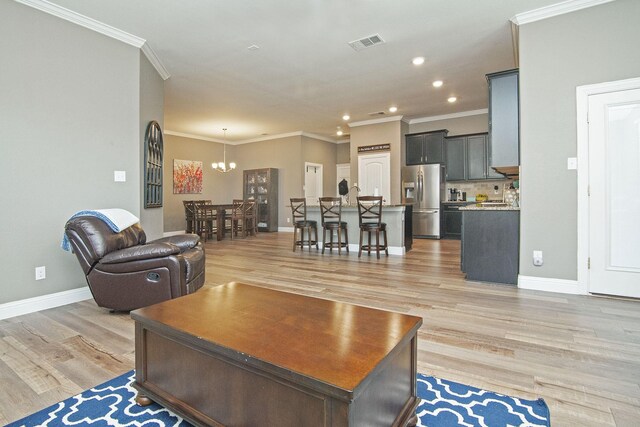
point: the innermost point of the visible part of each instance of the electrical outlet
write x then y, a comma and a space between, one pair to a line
41, 273
537, 258
119, 176
288, 220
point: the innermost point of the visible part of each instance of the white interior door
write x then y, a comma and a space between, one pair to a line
374, 173
312, 182
614, 201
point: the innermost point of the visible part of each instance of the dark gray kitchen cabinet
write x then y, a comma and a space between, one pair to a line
476, 157
468, 158
504, 119
453, 219
456, 158
490, 245
425, 147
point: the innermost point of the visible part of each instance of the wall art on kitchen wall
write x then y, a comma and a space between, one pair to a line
187, 177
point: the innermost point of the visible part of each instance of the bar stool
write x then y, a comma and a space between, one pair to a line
331, 215
370, 219
300, 222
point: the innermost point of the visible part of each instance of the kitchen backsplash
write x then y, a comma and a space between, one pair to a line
482, 187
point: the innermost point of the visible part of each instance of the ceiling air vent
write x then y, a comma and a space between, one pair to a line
377, 113
366, 42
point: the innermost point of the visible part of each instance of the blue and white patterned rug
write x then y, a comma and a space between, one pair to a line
444, 403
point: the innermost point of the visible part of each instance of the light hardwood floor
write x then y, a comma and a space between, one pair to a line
580, 353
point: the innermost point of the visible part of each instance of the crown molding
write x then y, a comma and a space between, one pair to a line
192, 136
320, 137
155, 61
248, 141
375, 121
555, 10
99, 27
449, 116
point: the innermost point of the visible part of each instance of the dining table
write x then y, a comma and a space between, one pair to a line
220, 213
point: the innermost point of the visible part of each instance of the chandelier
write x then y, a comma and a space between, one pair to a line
222, 166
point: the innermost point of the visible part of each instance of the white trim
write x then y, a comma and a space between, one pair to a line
346, 141
259, 139
449, 116
99, 27
555, 10
582, 141
375, 121
549, 285
285, 229
320, 137
44, 302
173, 233
192, 136
155, 61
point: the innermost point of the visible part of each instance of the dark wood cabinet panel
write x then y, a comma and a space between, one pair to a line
261, 185
468, 158
490, 245
456, 159
504, 119
477, 157
414, 145
425, 148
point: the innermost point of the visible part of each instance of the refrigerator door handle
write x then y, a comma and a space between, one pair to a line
420, 186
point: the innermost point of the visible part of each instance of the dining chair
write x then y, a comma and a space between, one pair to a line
370, 220
331, 217
237, 218
301, 223
250, 226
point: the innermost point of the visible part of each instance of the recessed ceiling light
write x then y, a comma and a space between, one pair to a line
393, 109
437, 83
339, 133
452, 99
418, 60
346, 117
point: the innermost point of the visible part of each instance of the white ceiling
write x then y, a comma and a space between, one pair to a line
305, 76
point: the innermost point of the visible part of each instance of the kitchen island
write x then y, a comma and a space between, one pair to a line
490, 243
397, 218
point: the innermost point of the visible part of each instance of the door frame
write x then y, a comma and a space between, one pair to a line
387, 156
319, 178
582, 117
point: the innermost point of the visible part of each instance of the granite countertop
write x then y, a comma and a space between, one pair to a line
475, 207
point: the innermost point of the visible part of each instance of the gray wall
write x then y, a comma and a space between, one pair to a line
379, 133
151, 108
457, 126
324, 153
69, 117
285, 154
342, 153
215, 185
589, 46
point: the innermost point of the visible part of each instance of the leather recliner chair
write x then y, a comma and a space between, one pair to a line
124, 272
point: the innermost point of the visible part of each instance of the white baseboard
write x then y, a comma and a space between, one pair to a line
31, 305
285, 229
549, 285
173, 233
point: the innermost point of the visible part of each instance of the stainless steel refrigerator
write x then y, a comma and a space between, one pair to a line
424, 187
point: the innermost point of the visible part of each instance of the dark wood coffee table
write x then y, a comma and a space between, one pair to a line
241, 355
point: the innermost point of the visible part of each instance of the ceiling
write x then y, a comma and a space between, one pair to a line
305, 76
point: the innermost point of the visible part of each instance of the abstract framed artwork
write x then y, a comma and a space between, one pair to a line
187, 177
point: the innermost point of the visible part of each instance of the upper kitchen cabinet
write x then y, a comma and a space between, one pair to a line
504, 120
467, 158
426, 147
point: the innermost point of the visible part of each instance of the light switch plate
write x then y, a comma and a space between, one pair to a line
572, 163
120, 176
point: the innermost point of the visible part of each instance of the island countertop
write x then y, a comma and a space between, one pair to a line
399, 232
